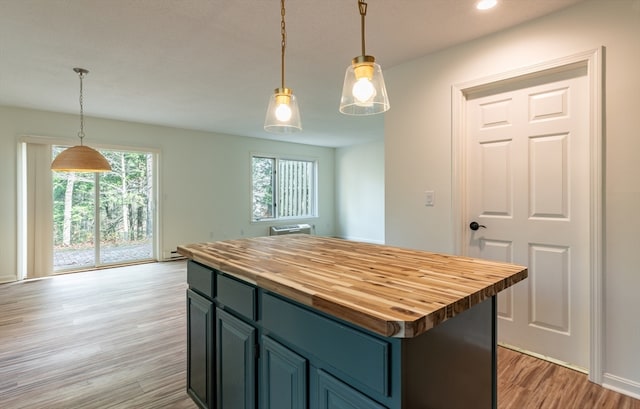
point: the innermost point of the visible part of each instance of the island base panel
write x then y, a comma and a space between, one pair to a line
454, 364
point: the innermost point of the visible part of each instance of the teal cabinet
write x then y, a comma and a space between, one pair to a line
283, 377
200, 341
236, 362
334, 394
250, 348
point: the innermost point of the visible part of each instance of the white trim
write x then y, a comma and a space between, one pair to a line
50, 140
21, 213
7, 279
595, 75
621, 385
21, 201
316, 189
157, 206
593, 60
545, 358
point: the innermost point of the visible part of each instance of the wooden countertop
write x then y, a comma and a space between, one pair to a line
392, 291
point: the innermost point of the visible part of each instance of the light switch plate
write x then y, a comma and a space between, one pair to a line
429, 198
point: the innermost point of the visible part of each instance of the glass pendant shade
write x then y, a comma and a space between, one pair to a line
364, 92
80, 159
283, 114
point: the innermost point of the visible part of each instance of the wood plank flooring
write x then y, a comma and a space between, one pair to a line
112, 338
528, 382
115, 338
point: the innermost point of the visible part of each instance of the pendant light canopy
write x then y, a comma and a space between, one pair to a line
80, 158
283, 115
363, 92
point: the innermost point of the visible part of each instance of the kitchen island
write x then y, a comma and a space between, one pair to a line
301, 321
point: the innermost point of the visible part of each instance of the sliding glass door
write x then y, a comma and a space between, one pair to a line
104, 218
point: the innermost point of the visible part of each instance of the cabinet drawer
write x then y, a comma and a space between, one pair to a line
238, 296
201, 279
359, 356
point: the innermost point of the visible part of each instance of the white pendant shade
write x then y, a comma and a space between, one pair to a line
80, 159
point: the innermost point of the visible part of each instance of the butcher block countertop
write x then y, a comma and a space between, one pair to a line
391, 291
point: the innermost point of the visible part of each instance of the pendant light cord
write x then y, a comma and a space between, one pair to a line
283, 32
81, 133
363, 12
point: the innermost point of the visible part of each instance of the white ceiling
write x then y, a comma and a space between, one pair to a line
212, 64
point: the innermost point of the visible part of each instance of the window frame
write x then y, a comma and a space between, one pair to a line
276, 194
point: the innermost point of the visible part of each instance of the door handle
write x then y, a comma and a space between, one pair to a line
475, 226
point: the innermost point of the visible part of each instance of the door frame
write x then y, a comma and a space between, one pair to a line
592, 60
21, 201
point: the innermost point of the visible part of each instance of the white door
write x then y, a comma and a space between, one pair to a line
528, 187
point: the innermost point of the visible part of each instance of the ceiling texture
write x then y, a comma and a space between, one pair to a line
211, 65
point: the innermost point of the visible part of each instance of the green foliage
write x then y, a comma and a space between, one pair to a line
263, 176
295, 183
124, 200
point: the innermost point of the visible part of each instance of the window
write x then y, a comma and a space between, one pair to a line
283, 188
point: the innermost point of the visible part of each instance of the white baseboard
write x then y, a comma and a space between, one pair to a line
545, 358
8, 279
621, 385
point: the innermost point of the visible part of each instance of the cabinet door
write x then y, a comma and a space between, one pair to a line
334, 394
284, 377
200, 364
236, 362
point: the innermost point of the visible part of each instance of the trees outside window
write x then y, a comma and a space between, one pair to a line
283, 188
119, 203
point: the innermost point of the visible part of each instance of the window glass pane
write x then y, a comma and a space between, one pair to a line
263, 187
124, 198
73, 218
126, 214
295, 188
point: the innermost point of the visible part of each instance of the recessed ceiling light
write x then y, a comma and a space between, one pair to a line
486, 4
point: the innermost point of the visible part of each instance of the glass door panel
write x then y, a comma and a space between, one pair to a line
126, 213
73, 219
104, 218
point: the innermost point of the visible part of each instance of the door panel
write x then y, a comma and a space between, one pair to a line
284, 377
235, 361
200, 341
549, 288
528, 183
549, 176
502, 251
495, 185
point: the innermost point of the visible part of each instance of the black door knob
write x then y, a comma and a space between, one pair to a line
475, 226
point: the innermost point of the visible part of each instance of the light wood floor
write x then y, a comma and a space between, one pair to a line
112, 338
528, 382
116, 339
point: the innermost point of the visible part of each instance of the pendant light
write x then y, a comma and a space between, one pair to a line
363, 92
80, 158
283, 115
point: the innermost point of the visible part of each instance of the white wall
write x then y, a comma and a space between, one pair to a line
360, 192
205, 177
418, 148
